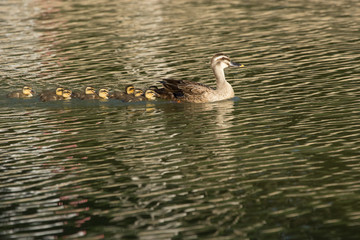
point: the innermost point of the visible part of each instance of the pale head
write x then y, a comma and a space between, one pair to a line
89, 90
223, 61
104, 93
150, 94
27, 91
67, 94
129, 89
59, 91
138, 92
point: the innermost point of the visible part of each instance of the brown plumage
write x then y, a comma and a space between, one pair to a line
82, 95
26, 92
103, 94
188, 91
129, 90
66, 95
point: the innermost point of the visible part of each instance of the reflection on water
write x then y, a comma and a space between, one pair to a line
280, 161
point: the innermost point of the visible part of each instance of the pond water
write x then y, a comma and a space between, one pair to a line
279, 161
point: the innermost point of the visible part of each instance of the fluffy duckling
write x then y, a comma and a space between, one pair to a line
26, 92
47, 93
81, 95
65, 95
134, 97
149, 95
103, 94
129, 90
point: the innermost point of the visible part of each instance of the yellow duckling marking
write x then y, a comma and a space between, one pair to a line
150, 95
59, 91
67, 94
138, 92
130, 89
89, 90
104, 94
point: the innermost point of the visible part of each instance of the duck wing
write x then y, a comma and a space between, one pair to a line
184, 88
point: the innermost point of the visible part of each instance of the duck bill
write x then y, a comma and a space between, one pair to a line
234, 64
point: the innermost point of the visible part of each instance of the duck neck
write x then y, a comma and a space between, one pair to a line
221, 83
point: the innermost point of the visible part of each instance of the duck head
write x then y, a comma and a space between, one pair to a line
28, 91
129, 89
67, 94
150, 94
104, 93
138, 92
89, 90
223, 61
59, 91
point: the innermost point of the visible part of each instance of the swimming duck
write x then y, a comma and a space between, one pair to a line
26, 92
103, 94
187, 91
134, 97
149, 95
129, 90
65, 95
47, 93
81, 95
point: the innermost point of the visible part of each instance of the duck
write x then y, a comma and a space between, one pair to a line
81, 95
103, 94
65, 95
129, 90
194, 92
135, 97
149, 95
48, 93
26, 92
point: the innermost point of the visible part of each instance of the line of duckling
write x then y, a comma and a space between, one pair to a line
131, 94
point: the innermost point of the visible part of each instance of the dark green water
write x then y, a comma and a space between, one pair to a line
280, 161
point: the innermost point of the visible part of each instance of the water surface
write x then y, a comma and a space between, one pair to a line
280, 161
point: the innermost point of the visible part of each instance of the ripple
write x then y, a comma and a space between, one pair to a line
279, 161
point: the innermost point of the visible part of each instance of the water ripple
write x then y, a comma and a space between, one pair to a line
279, 161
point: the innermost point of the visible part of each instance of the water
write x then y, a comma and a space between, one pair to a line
280, 161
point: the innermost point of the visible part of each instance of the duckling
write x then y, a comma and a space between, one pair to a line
129, 90
134, 97
47, 93
187, 91
26, 92
103, 94
149, 95
65, 95
81, 95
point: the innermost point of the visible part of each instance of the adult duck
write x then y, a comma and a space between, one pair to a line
188, 91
